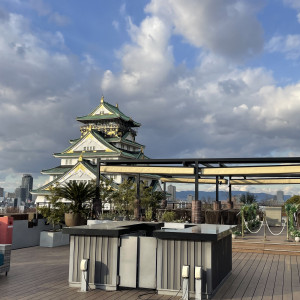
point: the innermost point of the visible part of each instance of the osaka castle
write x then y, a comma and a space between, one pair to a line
106, 133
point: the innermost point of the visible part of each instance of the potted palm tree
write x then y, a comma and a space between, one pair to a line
80, 194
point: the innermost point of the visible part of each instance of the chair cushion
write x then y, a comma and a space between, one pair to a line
1, 259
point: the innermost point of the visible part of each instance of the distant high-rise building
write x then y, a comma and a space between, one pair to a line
280, 196
11, 195
172, 192
1, 192
21, 194
190, 198
27, 183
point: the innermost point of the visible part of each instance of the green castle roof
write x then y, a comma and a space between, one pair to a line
115, 114
93, 168
57, 170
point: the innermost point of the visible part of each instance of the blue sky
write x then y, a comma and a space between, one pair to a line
205, 78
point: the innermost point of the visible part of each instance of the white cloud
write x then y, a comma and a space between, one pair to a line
41, 93
227, 28
148, 60
289, 45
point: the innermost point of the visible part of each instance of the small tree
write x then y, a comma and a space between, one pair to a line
54, 213
150, 201
247, 198
123, 198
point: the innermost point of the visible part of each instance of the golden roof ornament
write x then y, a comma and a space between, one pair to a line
80, 157
117, 105
102, 99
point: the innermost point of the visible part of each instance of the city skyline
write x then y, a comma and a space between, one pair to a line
204, 78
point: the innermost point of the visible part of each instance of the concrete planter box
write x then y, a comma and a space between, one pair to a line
53, 239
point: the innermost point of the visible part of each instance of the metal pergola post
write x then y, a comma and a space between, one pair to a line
217, 189
229, 190
97, 205
196, 181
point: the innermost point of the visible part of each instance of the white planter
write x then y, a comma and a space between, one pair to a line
234, 236
297, 239
53, 239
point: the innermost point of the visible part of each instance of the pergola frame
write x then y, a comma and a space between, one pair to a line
230, 171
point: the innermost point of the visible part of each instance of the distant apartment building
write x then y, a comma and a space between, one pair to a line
172, 192
280, 197
1, 194
27, 183
21, 194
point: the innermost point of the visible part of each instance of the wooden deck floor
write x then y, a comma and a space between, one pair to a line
262, 276
42, 273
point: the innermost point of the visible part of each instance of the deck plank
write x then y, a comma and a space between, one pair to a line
278, 288
247, 278
287, 279
255, 278
234, 281
259, 290
236, 265
269, 288
295, 277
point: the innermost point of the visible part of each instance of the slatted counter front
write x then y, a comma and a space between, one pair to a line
148, 255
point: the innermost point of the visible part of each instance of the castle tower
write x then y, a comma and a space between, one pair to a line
105, 133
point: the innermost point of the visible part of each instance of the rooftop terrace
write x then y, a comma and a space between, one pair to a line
42, 273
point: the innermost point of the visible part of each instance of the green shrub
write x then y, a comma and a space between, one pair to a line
148, 214
168, 216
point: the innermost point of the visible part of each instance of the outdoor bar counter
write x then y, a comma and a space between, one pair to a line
150, 255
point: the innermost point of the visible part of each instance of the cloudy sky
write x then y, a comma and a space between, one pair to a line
210, 78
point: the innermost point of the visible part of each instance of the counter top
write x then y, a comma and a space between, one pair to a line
196, 232
113, 229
